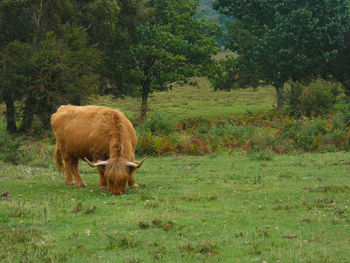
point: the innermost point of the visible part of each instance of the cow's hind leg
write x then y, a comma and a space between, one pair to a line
68, 174
69, 179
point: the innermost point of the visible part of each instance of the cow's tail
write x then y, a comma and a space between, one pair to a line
58, 158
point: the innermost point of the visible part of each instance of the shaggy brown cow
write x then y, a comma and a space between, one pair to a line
100, 134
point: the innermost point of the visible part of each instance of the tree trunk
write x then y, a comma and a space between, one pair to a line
28, 115
346, 85
280, 97
146, 88
45, 120
10, 115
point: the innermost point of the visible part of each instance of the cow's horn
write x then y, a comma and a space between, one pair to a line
95, 164
134, 164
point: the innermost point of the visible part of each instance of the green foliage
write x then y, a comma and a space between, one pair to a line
156, 136
224, 74
51, 74
22, 150
171, 45
100, 18
149, 144
343, 112
9, 148
339, 68
158, 124
260, 133
211, 15
317, 98
306, 137
51, 64
278, 41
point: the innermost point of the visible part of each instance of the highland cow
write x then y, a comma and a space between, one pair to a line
102, 135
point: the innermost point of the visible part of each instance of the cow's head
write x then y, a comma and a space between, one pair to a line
117, 172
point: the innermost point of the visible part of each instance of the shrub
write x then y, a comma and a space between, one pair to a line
239, 134
13, 150
315, 99
8, 148
149, 144
306, 135
343, 112
22, 150
159, 124
338, 139
194, 146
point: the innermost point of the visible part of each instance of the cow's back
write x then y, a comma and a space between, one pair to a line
84, 131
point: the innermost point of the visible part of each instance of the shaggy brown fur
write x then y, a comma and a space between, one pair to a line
97, 133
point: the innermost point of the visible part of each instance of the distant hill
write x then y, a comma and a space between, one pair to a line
206, 8
211, 15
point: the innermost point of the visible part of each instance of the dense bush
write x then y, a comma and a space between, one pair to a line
155, 136
12, 150
312, 100
22, 150
8, 148
258, 133
343, 112
266, 131
158, 124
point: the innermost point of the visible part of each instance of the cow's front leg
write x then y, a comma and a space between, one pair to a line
131, 181
103, 182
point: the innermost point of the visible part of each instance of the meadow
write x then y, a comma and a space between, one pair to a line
194, 101
214, 208
229, 205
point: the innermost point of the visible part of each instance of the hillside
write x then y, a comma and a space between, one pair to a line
192, 101
207, 10
212, 16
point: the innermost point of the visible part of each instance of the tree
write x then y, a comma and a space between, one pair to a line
45, 65
14, 25
116, 57
170, 45
339, 68
280, 41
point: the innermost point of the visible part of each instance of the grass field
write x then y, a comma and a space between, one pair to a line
215, 208
230, 206
191, 101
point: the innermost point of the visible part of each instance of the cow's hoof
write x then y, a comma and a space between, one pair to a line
117, 193
70, 184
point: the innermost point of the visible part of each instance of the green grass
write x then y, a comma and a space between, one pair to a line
217, 208
191, 101
223, 207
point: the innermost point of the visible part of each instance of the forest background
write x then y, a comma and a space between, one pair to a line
90, 52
